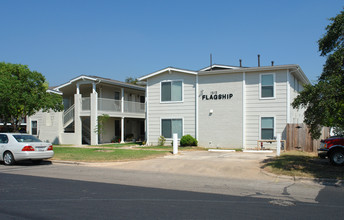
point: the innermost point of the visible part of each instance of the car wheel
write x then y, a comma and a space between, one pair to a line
37, 162
8, 158
337, 157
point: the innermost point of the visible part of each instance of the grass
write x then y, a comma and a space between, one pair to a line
115, 145
103, 154
296, 163
170, 148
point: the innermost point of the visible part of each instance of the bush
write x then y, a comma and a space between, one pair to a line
188, 140
161, 141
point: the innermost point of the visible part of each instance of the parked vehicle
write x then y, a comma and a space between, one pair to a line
16, 147
333, 148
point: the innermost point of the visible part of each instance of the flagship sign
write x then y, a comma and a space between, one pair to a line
214, 96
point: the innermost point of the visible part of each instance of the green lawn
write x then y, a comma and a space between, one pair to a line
115, 145
103, 154
302, 164
170, 148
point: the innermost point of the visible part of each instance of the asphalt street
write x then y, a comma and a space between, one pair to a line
69, 191
29, 197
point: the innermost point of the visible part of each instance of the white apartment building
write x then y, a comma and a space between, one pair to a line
223, 106
85, 98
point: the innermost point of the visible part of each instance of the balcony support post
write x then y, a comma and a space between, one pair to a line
94, 118
122, 130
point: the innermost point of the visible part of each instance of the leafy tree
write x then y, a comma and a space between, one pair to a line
324, 101
23, 93
100, 128
131, 80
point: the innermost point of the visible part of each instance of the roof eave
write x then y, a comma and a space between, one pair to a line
168, 69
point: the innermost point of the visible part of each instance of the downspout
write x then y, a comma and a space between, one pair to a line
196, 97
147, 118
244, 110
288, 96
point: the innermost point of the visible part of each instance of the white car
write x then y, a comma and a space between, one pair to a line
16, 146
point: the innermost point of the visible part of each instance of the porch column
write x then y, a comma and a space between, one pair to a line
122, 130
77, 119
122, 100
94, 118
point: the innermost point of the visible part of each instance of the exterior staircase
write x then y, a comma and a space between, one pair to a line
68, 116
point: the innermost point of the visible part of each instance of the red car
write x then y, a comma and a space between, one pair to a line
333, 148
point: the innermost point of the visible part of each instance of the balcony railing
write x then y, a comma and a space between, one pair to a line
134, 107
86, 104
111, 105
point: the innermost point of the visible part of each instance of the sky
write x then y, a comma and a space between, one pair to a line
119, 39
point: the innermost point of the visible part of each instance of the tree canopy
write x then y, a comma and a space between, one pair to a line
23, 93
324, 101
131, 80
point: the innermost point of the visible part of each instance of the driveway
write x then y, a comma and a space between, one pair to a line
199, 163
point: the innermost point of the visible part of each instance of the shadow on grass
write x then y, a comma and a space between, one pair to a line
304, 165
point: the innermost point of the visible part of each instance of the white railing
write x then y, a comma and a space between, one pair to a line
134, 107
112, 105
109, 105
68, 116
86, 104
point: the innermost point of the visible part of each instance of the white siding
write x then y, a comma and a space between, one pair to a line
158, 110
49, 126
223, 127
257, 107
295, 87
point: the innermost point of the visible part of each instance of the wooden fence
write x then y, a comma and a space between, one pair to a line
298, 138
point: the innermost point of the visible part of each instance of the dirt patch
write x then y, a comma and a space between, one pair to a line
302, 165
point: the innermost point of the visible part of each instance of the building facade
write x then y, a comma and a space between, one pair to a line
85, 99
223, 106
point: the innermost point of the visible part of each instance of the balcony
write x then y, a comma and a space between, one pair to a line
111, 105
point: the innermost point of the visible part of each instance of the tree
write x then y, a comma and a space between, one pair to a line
131, 80
23, 93
100, 128
324, 101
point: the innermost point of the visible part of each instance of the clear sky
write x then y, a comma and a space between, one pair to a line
117, 39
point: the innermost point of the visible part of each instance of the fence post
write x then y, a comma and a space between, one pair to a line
175, 143
278, 150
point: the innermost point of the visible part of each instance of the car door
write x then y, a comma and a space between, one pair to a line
3, 144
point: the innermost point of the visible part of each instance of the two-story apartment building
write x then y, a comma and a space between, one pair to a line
223, 106
85, 98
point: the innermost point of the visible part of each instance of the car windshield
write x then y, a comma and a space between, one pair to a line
26, 138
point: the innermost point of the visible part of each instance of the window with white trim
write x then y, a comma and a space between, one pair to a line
267, 86
171, 126
267, 128
34, 127
171, 91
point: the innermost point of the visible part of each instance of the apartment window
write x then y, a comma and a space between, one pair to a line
267, 128
267, 85
171, 126
34, 127
117, 96
171, 91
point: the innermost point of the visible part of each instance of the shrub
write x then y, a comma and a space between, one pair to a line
161, 141
116, 139
188, 140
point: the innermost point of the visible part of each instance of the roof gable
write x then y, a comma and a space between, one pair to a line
168, 69
219, 67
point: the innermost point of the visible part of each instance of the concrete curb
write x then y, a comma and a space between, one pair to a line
66, 162
257, 151
220, 150
322, 181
